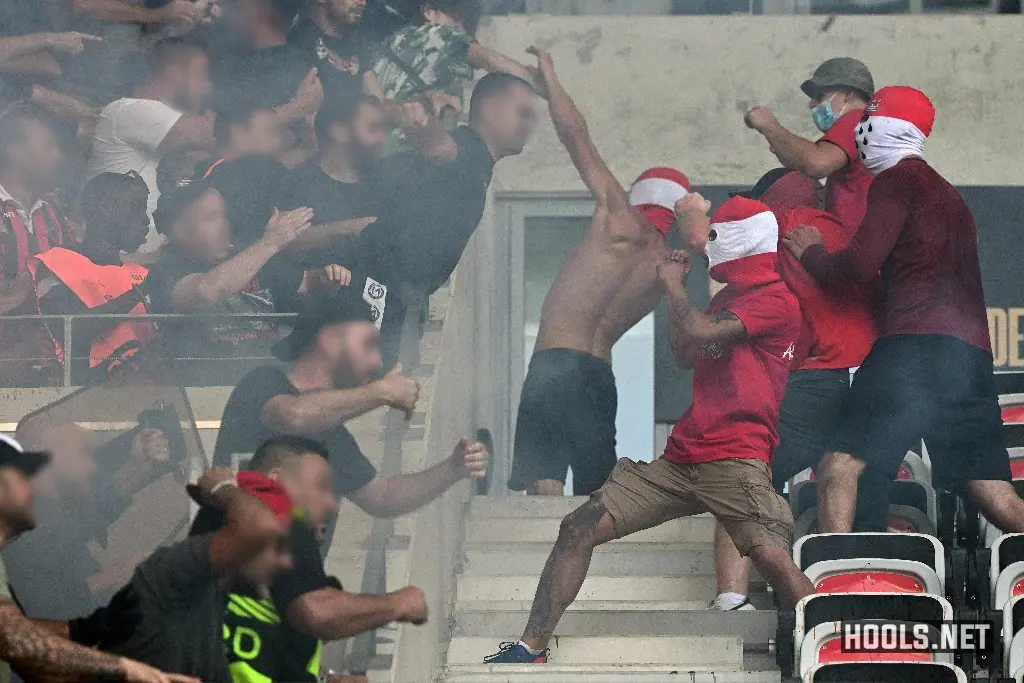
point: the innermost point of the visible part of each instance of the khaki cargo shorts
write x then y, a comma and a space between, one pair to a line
738, 492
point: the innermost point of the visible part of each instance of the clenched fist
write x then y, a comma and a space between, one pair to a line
759, 118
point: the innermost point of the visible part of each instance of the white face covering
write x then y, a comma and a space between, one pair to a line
733, 240
883, 141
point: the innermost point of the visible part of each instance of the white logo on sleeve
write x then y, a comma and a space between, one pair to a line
790, 352
375, 294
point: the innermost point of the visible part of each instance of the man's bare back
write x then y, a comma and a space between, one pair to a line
568, 404
603, 289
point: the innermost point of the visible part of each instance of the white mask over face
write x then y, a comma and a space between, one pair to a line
734, 240
883, 141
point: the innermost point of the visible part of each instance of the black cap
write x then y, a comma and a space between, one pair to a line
13, 455
766, 181
344, 305
174, 201
840, 73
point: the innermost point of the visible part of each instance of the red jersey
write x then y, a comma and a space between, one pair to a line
737, 388
846, 190
839, 323
920, 234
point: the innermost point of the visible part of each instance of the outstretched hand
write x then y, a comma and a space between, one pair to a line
545, 65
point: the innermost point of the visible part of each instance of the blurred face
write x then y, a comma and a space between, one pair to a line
203, 231
309, 482
194, 84
275, 559
344, 11
511, 118
38, 157
130, 222
262, 134
437, 18
353, 350
17, 502
370, 133
73, 464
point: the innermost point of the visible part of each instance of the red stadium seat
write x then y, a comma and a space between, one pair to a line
823, 645
1006, 568
873, 576
885, 672
1013, 414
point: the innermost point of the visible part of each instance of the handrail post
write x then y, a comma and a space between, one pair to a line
364, 646
68, 351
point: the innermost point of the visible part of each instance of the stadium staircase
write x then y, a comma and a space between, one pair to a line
639, 617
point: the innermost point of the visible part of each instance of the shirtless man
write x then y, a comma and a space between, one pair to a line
605, 287
716, 459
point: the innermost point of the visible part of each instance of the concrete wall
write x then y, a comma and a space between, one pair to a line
672, 90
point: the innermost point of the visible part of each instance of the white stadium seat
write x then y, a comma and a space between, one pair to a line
1011, 642
913, 547
1007, 551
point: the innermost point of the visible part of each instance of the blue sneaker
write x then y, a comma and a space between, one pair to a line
514, 653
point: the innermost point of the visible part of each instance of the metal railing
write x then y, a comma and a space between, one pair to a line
68, 321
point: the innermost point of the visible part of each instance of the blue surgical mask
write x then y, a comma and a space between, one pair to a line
824, 117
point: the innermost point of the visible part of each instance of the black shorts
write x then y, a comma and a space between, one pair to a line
812, 409
810, 412
934, 387
566, 419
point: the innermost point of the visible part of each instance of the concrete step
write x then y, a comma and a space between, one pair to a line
605, 588
635, 619
611, 559
686, 653
525, 507
552, 673
545, 529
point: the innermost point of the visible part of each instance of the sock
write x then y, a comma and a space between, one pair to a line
732, 599
529, 649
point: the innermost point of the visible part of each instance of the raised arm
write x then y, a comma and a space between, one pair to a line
573, 132
815, 159
34, 650
199, 290
690, 327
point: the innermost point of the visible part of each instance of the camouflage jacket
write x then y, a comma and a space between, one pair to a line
416, 59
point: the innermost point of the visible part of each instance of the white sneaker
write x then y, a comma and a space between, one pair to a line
730, 603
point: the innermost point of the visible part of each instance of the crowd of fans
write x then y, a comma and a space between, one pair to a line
225, 162
280, 148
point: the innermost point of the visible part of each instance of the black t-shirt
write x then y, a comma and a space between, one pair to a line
252, 187
269, 77
287, 652
242, 431
182, 606
341, 62
209, 343
428, 212
332, 201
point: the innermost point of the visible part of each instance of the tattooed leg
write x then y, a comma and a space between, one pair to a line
581, 531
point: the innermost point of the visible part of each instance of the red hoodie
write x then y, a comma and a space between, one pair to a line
839, 324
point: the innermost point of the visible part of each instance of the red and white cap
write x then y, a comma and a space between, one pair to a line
904, 103
744, 240
655, 193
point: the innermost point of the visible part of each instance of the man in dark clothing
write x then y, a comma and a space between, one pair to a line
432, 200
337, 185
330, 39
335, 351
180, 591
930, 373
283, 652
77, 499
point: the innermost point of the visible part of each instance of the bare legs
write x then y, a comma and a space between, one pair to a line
581, 531
999, 502
732, 569
838, 474
777, 565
